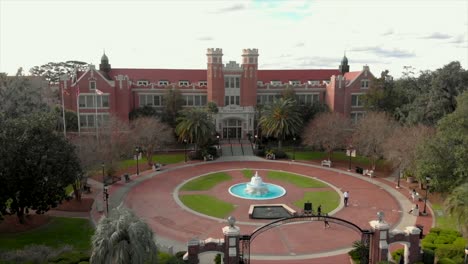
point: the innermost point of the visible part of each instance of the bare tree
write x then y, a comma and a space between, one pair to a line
114, 142
151, 134
329, 131
370, 134
86, 150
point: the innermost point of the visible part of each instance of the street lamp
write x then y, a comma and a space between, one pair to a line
137, 150
425, 198
217, 138
185, 149
466, 255
351, 152
294, 149
103, 177
106, 198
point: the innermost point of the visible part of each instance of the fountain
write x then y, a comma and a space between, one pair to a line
256, 189
256, 186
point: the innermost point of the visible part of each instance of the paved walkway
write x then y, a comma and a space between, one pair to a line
154, 197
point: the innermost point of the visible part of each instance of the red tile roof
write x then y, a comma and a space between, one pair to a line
351, 75
285, 76
156, 75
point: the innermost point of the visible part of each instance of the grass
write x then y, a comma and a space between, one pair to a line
299, 181
161, 158
444, 221
207, 205
248, 174
60, 231
328, 199
336, 156
206, 182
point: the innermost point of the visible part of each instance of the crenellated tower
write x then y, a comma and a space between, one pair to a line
248, 91
215, 77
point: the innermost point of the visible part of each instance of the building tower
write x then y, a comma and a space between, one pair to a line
248, 91
344, 67
215, 77
105, 67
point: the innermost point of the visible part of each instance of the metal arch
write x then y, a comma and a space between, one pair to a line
305, 218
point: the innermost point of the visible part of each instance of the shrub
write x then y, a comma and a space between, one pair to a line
446, 261
71, 257
397, 254
280, 154
428, 256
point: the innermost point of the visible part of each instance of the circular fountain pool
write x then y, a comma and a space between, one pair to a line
256, 189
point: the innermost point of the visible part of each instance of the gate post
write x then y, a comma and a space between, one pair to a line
231, 242
378, 249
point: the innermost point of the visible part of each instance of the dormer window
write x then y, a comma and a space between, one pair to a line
259, 83
142, 83
92, 85
163, 83
313, 82
202, 83
275, 83
295, 82
364, 84
184, 83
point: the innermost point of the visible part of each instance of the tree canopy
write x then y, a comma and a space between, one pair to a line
36, 165
195, 127
53, 70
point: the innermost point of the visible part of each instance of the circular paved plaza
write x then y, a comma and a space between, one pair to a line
156, 200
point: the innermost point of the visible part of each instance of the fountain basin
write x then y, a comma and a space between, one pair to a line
273, 191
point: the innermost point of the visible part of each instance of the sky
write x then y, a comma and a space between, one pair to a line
290, 34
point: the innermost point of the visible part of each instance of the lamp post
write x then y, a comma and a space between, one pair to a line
256, 137
103, 178
466, 255
294, 149
106, 198
185, 149
217, 138
425, 198
351, 152
137, 151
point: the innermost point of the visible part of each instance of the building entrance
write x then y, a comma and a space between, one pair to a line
232, 129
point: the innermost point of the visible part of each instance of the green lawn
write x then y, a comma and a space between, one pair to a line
161, 158
248, 174
59, 232
207, 205
299, 181
328, 199
206, 182
337, 156
444, 220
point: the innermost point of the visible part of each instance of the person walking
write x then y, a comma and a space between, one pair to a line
346, 198
319, 210
325, 221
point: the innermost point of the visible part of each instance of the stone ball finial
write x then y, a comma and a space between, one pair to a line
231, 221
380, 216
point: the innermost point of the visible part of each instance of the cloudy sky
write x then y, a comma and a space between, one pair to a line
290, 34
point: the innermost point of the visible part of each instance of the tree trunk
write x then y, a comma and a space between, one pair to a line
149, 158
20, 215
77, 191
280, 144
330, 154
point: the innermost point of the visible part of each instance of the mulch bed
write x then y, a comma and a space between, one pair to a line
76, 206
11, 224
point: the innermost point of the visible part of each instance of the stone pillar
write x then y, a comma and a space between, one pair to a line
414, 249
231, 242
379, 246
193, 250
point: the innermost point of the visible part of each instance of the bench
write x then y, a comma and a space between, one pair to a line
157, 166
327, 163
369, 173
208, 157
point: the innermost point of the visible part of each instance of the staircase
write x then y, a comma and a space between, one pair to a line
236, 147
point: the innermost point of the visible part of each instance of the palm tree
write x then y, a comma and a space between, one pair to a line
456, 204
122, 237
195, 126
280, 119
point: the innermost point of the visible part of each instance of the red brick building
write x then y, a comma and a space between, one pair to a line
235, 88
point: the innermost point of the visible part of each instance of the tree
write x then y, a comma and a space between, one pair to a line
370, 134
53, 70
18, 97
145, 111
280, 119
444, 158
151, 134
36, 165
329, 131
194, 126
401, 146
123, 238
212, 109
173, 102
456, 204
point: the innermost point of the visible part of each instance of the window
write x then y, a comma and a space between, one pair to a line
88, 120
202, 83
151, 100
92, 85
163, 83
142, 83
364, 84
184, 83
312, 82
232, 100
259, 83
87, 101
295, 82
307, 99
194, 100
231, 82
355, 116
357, 100
276, 83
267, 98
